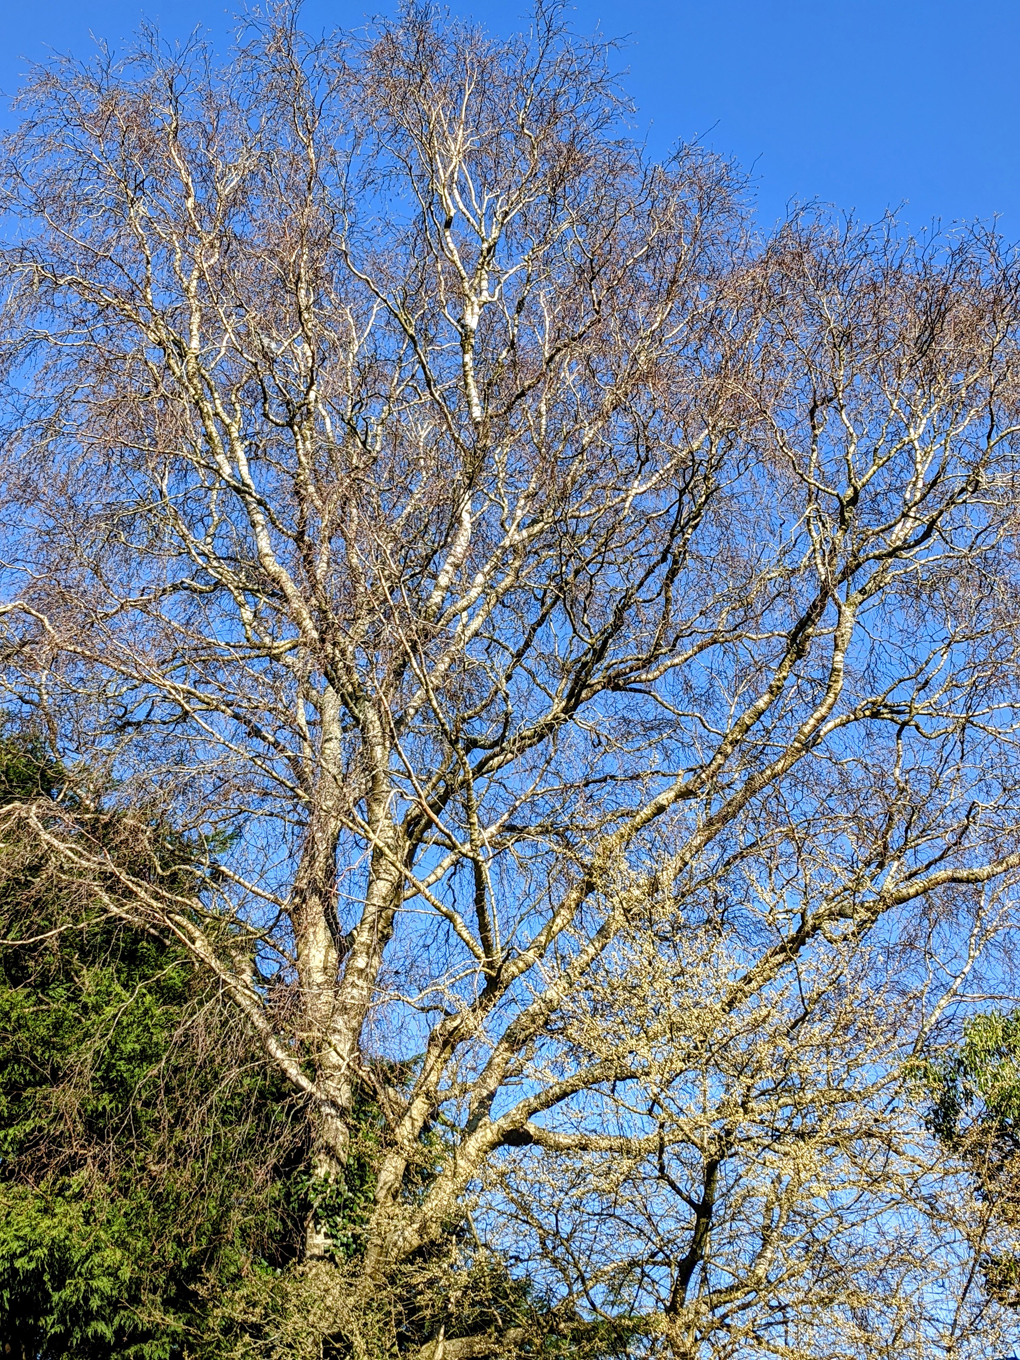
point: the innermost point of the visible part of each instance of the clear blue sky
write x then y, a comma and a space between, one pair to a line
866, 104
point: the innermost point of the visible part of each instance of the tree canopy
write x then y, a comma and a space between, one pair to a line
575, 637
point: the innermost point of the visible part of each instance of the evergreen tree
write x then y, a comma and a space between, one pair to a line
148, 1160
975, 1114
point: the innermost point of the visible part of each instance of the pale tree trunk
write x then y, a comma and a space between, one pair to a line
317, 960
338, 978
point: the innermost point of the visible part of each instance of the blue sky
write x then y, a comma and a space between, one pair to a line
866, 104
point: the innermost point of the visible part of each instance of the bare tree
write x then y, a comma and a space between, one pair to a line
763, 1182
472, 530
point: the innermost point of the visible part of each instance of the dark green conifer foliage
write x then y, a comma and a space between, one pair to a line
146, 1151
975, 1114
